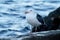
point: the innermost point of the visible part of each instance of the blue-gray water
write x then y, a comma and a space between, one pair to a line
12, 17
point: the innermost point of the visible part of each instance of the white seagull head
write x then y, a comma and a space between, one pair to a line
28, 11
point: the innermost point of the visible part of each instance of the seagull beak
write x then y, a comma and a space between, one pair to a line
26, 12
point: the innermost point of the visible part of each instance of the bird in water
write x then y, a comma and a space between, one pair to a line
35, 20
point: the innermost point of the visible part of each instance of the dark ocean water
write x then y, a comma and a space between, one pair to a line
12, 17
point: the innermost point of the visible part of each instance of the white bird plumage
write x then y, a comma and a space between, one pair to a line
32, 18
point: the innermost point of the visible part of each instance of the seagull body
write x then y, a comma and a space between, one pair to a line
34, 19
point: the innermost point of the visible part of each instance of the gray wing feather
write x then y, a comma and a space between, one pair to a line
40, 19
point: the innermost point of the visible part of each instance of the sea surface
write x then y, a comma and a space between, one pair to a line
12, 18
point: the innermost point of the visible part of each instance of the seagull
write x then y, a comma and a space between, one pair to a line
34, 19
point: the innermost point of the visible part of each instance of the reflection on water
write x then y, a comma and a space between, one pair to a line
12, 17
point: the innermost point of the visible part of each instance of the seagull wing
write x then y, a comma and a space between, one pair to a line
40, 19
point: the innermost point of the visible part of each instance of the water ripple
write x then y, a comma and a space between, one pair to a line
7, 1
